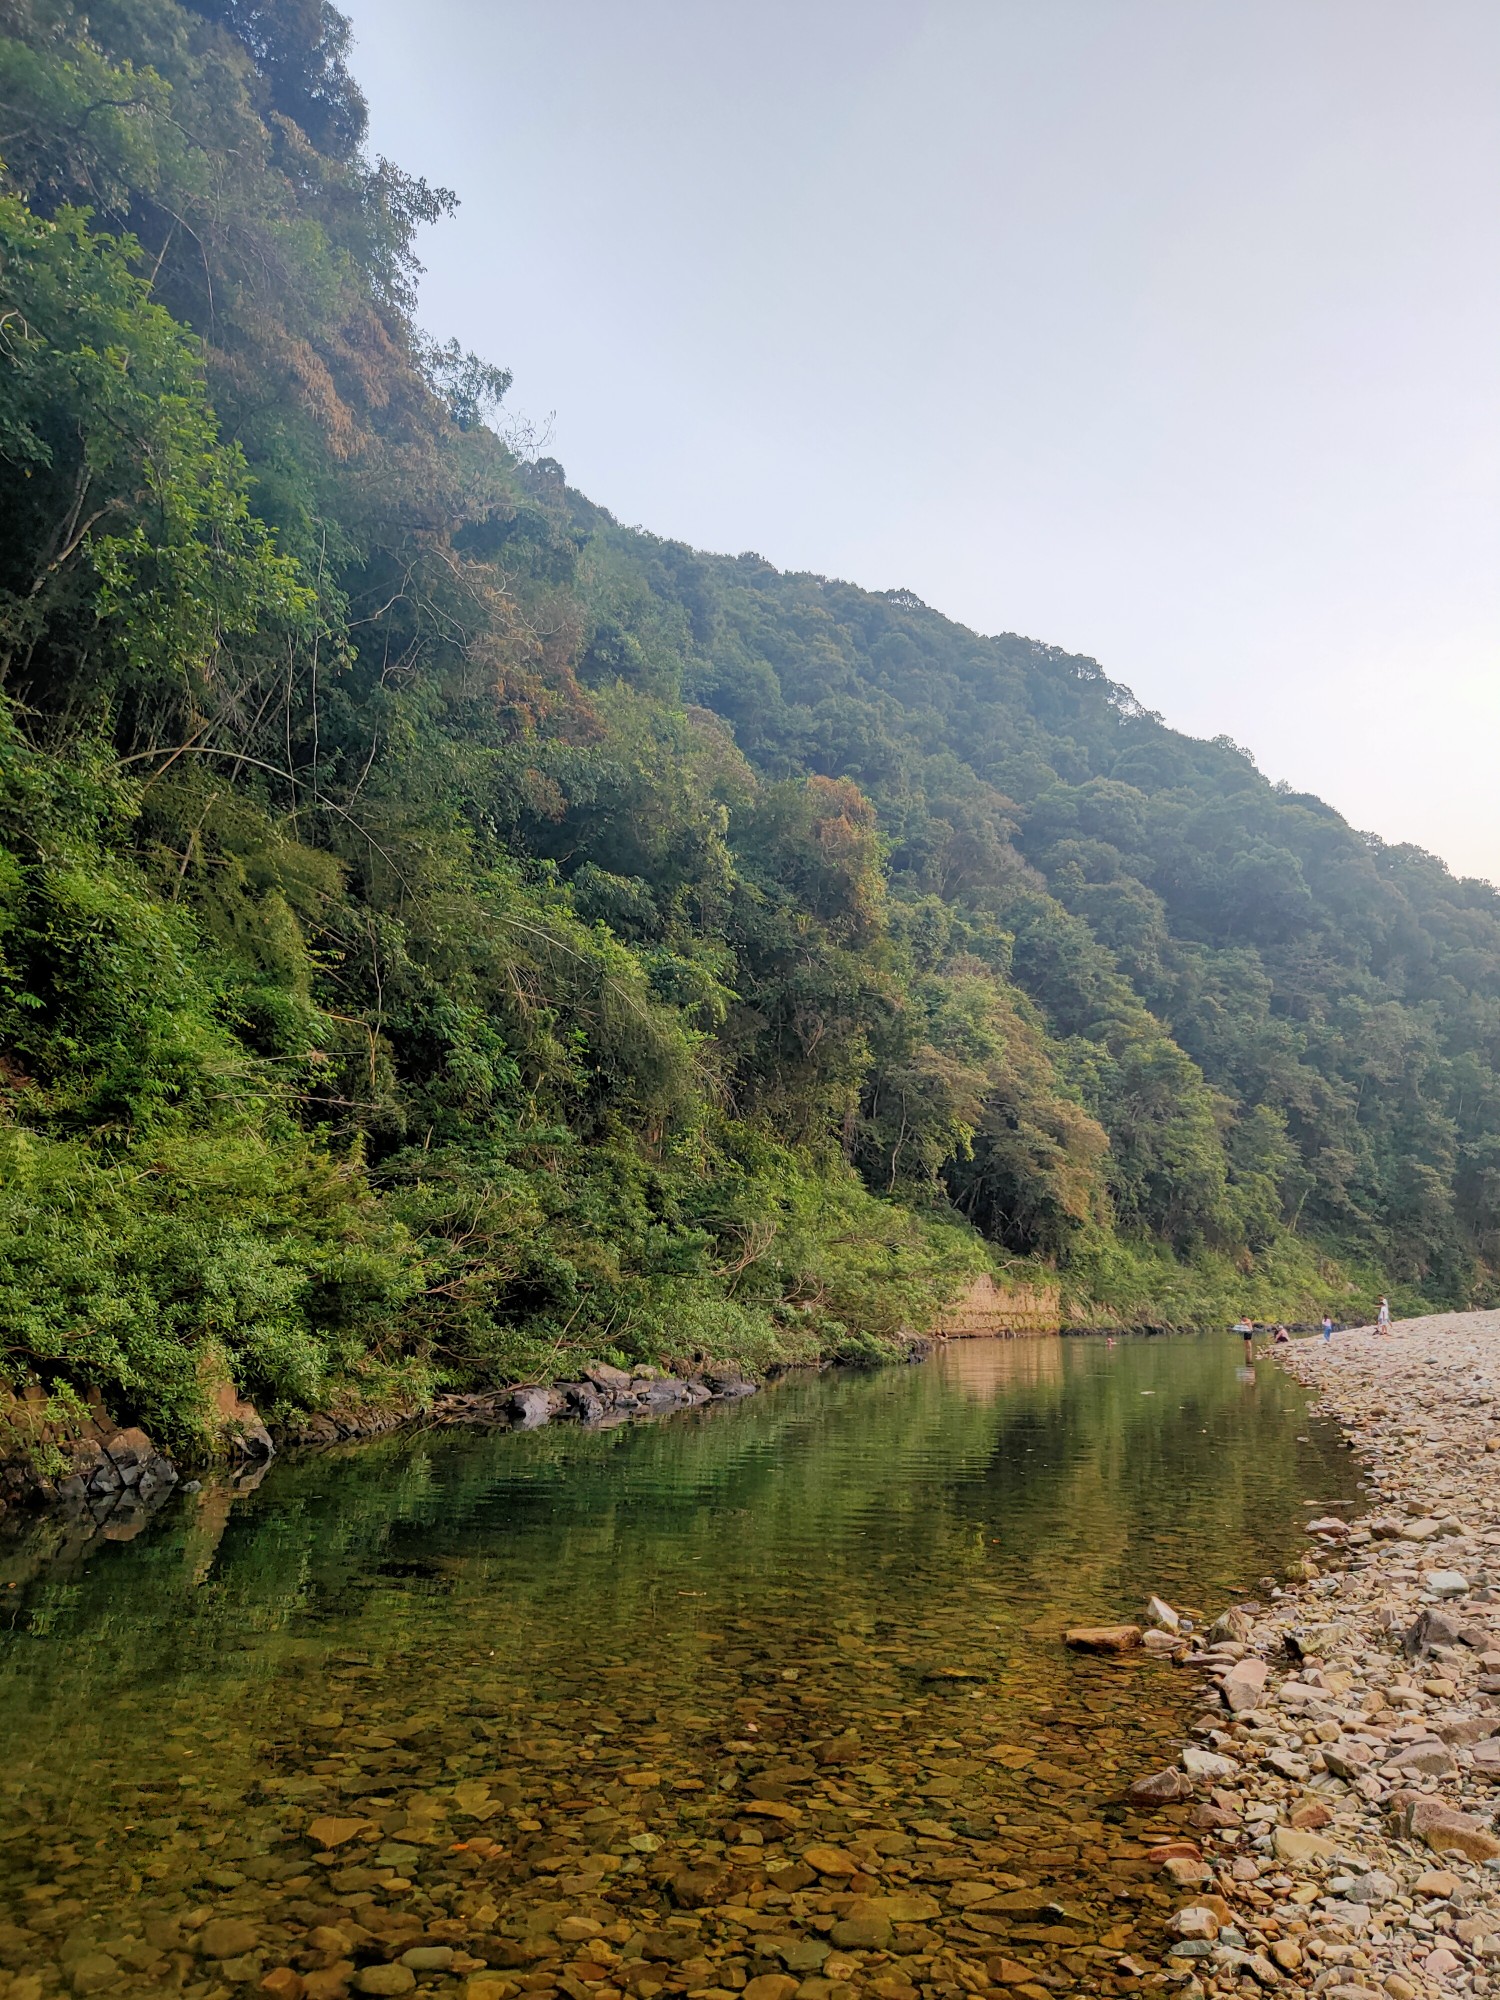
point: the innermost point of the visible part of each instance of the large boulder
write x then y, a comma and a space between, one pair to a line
583, 1401
1442, 1827
1446, 1582
1299, 1849
531, 1408
1242, 1686
1428, 1758
1432, 1628
110, 1463
129, 1452
611, 1380
729, 1385
666, 1394
1232, 1626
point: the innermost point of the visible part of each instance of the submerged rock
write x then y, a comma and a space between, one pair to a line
654, 1771
227, 1937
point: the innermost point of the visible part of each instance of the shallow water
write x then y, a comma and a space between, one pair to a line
536, 1678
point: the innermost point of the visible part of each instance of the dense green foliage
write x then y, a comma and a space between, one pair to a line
443, 934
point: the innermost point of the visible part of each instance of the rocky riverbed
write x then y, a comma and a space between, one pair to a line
772, 1707
1345, 1770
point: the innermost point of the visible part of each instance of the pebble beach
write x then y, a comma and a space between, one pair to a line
1345, 1768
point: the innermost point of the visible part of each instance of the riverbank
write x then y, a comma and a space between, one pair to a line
108, 1480
1347, 1760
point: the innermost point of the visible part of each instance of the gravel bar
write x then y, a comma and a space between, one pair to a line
1346, 1768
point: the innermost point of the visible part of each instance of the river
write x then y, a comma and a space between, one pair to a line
573, 1706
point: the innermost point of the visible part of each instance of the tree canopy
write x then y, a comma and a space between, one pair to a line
444, 933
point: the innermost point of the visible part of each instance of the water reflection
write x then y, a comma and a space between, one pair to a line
533, 1683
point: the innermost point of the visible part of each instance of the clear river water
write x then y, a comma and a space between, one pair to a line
773, 1691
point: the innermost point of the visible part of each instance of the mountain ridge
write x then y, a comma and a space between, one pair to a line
447, 936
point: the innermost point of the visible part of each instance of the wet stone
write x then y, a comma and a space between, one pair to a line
228, 1937
1103, 1638
384, 1979
92, 1972
1162, 1788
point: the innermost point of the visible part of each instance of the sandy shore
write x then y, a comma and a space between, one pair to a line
1347, 1764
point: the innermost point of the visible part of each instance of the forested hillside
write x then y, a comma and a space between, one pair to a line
445, 935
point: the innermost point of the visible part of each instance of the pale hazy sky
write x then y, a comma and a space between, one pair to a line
1167, 331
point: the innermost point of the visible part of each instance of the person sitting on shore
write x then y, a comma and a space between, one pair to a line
1280, 1336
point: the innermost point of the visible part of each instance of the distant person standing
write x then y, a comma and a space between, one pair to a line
1327, 1327
1383, 1317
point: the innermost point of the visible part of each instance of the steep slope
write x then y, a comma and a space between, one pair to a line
444, 935
1342, 995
